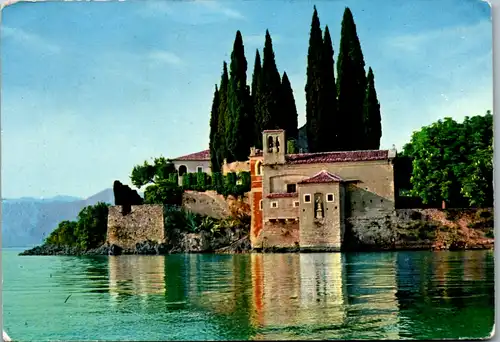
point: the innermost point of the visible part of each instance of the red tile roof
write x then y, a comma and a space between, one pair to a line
199, 156
332, 157
322, 177
283, 195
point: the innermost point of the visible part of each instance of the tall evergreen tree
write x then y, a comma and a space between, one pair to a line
289, 110
372, 118
238, 136
271, 88
351, 86
327, 130
222, 118
256, 99
313, 85
214, 126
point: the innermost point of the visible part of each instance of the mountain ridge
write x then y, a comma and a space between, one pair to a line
26, 221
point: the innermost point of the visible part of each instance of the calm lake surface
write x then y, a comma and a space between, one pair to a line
400, 295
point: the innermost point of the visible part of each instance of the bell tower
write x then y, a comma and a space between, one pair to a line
274, 144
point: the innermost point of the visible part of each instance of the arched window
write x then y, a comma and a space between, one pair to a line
277, 144
258, 168
182, 170
270, 144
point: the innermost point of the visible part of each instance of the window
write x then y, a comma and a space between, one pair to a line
260, 204
199, 169
329, 197
307, 198
296, 203
291, 188
270, 144
258, 168
274, 204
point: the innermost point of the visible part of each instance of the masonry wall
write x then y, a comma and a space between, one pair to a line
372, 176
256, 221
280, 234
207, 203
255, 199
144, 222
285, 208
327, 231
370, 189
236, 167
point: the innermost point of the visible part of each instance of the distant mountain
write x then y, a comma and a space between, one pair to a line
27, 221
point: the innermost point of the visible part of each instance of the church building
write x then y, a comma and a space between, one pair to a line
305, 200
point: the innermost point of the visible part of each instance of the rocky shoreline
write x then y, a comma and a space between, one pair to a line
237, 247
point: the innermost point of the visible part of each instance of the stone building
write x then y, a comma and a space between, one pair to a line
304, 200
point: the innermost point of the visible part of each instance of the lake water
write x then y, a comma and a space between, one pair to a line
399, 295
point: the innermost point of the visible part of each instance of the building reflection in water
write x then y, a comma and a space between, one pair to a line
133, 276
297, 291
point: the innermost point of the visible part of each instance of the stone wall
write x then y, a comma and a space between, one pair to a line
210, 203
325, 232
279, 234
144, 222
417, 228
236, 167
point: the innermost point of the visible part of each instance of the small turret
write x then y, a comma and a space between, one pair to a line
274, 144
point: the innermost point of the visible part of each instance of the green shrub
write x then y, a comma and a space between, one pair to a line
230, 184
291, 146
246, 181
185, 181
173, 178
164, 192
218, 182
201, 181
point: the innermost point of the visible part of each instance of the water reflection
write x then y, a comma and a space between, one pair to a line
305, 296
136, 276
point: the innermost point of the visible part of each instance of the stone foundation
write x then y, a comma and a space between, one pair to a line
278, 235
143, 223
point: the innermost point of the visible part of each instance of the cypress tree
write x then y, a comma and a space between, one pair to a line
313, 84
256, 99
239, 118
372, 118
222, 117
351, 86
289, 110
327, 115
271, 88
213, 139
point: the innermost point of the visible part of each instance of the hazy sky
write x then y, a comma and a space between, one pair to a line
89, 89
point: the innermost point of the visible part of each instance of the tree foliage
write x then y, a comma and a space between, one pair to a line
327, 116
221, 151
290, 117
313, 84
257, 99
214, 126
372, 118
351, 86
453, 162
89, 231
271, 111
239, 137
163, 192
147, 173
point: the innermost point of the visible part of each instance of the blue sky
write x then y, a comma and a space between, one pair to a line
90, 89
